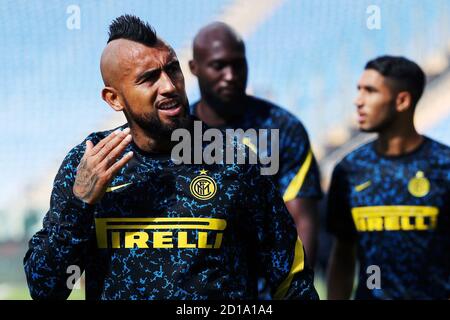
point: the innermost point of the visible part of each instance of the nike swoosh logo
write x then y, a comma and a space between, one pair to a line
363, 186
109, 189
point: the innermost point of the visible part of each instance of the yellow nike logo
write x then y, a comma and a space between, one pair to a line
109, 189
363, 186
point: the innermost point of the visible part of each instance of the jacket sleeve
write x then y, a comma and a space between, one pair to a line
280, 254
63, 239
299, 175
339, 217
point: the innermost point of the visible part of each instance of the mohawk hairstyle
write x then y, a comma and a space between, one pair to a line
132, 28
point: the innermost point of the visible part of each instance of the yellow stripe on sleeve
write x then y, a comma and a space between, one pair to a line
297, 266
296, 184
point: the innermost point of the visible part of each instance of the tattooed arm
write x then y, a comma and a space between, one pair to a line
98, 166
68, 224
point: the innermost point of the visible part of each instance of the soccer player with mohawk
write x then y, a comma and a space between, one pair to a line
144, 227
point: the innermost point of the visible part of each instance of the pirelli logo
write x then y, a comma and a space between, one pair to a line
158, 233
395, 218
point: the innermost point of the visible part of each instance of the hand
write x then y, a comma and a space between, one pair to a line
99, 166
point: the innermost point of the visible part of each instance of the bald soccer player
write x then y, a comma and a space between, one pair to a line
143, 227
220, 64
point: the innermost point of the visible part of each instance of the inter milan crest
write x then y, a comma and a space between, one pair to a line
419, 186
203, 187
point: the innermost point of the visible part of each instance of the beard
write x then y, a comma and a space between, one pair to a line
226, 108
388, 122
152, 125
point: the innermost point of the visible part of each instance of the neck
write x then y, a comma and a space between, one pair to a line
208, 115
148, 143
398, 140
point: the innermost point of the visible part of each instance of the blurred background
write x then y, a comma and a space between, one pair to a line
305, 55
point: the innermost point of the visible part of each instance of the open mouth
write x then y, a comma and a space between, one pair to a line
171, 108
168, 105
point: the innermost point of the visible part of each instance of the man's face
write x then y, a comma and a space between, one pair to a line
152, 86
221, 68
375, 102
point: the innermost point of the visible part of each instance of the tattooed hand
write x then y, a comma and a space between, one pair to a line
99, 166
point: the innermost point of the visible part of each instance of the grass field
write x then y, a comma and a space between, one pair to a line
20, 291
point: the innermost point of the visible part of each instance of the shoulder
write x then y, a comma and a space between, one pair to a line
277, 117
273, 110
361, 156
437, 151
437, 156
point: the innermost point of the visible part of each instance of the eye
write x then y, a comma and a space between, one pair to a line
218, 65
149, 77
173, 69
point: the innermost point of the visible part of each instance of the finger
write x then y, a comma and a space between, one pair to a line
107, 148
104, 141
119, 164
89, 146
115, 153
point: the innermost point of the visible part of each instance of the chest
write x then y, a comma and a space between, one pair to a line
384, 184
400, 197
171, 190
170, 206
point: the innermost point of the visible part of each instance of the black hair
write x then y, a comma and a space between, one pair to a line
132, 28
405, 74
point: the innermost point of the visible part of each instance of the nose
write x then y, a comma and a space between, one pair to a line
358, 101
229, 73
166, 84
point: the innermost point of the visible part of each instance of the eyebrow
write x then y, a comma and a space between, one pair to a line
171, 63
153, 72
147, 74
359, 87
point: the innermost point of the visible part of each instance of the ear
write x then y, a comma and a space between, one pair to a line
111, 96
193, 67
403, 101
